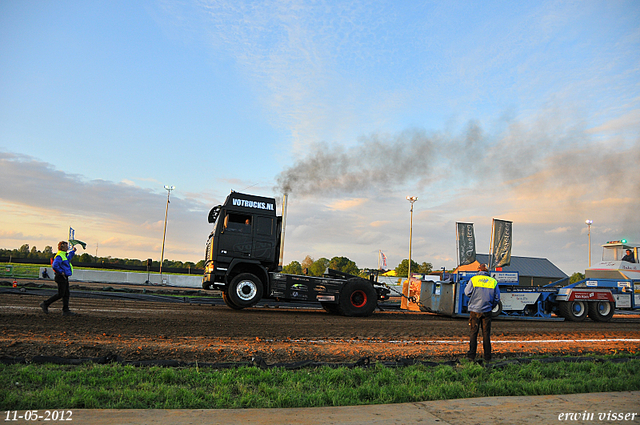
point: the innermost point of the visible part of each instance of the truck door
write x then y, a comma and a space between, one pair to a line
236, 235
264, 239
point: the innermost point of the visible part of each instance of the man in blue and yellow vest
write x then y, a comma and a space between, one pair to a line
484, 295
63, 269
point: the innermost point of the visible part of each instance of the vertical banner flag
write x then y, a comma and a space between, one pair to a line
382, 260
72, 234
502, 241
466, 244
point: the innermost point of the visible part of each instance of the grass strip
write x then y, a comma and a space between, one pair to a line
126, 387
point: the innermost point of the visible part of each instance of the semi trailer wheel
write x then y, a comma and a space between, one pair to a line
601, 311
358, 299
227, 301
245, 290
575, 311
497, 309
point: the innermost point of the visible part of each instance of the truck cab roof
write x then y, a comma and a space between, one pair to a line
245, 203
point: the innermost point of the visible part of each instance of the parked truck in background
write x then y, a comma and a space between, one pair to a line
243, 259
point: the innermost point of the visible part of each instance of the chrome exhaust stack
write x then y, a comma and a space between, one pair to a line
284, 225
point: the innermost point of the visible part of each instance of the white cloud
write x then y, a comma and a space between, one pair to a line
37, 194
558, 230
346, 204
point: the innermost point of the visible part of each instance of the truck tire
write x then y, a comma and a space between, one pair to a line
245, 290
358, 299
227, 301
601, 311
497, 309
575, 311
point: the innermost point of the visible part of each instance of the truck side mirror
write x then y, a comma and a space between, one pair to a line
226, 223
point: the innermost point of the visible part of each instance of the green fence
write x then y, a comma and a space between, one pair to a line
24, 271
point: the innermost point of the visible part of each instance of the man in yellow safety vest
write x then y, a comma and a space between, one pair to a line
484, 295
63, 269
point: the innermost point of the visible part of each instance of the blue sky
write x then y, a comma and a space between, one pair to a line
525, 111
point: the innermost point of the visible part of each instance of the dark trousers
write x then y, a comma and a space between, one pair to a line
63, 292
477, 321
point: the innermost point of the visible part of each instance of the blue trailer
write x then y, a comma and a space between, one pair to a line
611, 284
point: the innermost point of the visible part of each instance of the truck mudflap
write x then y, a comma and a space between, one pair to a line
579, 294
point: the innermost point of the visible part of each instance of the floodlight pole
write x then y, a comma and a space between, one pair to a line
589, 223
411, 199
166, 213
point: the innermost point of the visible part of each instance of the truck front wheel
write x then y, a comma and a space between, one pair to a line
575, 311
227, 301
358, 299
245, 290
601, 311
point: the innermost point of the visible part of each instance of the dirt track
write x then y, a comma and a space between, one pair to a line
138, 330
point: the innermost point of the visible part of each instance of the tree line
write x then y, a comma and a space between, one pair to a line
317, 267
308, 266
47, 253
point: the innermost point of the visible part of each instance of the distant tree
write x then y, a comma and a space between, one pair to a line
403, 268
424, 268
24, 249
307, 263
576, 277
48, 251
85, 258
318, 267
34, 252
200, 264
344, 265
293, 267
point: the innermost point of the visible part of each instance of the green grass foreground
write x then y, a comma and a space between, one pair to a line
126, 387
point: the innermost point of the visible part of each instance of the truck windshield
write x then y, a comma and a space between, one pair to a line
612, 253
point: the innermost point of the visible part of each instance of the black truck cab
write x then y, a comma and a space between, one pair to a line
245, 238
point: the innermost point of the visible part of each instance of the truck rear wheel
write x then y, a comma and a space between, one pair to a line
601, 311
575, 311
358, 299
245, 290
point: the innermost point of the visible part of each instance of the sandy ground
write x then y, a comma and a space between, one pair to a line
143, 330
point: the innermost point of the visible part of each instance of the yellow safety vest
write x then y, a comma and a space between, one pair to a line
481, 281
63, 255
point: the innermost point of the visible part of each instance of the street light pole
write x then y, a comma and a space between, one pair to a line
589, 223
411, 199
166, 213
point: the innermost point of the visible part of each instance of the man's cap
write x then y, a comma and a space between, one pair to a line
482, 267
